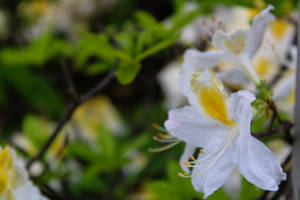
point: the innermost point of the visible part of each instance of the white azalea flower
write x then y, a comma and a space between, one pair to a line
284, 90
220, 126
238, 48
14, 181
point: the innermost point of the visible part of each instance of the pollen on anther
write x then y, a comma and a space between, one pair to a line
155, 138
204, 23
155, 125
213, 18
220, 24
187, 164
192, 157
201, 151
205, 40
180, 174
161, 135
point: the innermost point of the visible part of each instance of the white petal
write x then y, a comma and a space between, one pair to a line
188, 150
195, 60
235, 78
258, 30
284, 88
254, 160
189, 125
258, 164
186, 88
28, 191
215, 174
240, 104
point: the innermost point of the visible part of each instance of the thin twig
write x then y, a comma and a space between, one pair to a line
68, 77
69, 112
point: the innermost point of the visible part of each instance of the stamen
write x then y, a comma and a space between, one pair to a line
213, 18
181, 174
155, 138
187, 164
161, 135
184, 175
156, 126
201, 151
204, 23
205, 40
163, 148
192, 157
220, 24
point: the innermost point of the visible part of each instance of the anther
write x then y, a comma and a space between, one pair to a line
155, 125
201, 151
205, 40
181, 174
204, 23
192, 157
161, 135
220, 24
155, 138
187, 164
213, 18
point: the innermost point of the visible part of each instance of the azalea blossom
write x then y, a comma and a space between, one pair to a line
220, 126
14, 181
238, 48
284, 90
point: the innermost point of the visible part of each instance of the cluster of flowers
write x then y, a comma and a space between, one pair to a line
14, 181
219, 123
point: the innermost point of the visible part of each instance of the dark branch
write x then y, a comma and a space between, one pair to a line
69, 112
68, 77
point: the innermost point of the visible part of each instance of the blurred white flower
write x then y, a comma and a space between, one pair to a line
168, 78
96, 112
14, 181
238, 48
62, 15
220, 126
284, 90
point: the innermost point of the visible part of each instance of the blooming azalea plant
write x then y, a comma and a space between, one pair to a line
218, 123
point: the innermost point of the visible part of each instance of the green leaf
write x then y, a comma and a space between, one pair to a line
127, 73
156, 48
34, 89
34, 130
249, 191
107, 143
219, 195
83, 152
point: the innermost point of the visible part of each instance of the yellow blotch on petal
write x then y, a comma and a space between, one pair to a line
6, 164
262, 66
279, 28
212, 98
291, 97
6, 159
235, 45
3, 182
